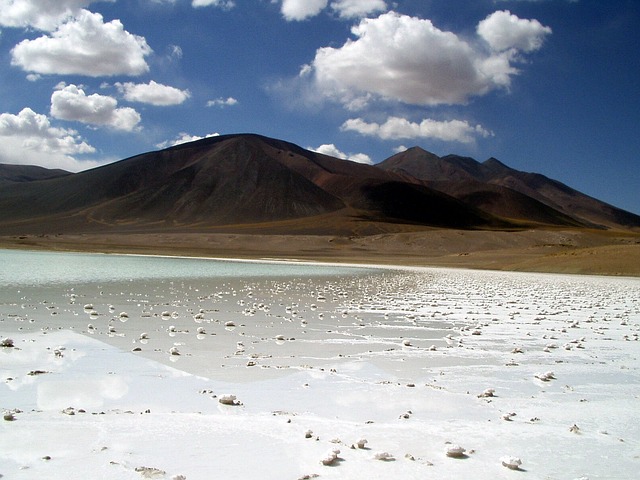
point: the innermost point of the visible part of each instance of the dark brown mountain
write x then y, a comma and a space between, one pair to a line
232, 182
251, 183
498, 189
27, 173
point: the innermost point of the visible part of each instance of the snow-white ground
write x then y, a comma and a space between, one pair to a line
544, 368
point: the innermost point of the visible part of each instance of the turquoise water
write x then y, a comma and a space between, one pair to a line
23, 268
171, 298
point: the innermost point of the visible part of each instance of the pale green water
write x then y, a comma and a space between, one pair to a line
47, 291
22, 268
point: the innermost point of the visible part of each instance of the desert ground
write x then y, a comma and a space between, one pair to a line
597, 252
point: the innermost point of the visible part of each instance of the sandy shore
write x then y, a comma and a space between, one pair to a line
557, 251
536, 367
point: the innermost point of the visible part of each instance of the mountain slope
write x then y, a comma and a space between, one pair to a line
27, 173
506, 192
248, 182
564, 199
225, 181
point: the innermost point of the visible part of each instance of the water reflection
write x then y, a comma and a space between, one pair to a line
87, 393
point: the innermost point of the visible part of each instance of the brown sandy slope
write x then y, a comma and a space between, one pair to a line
564, 251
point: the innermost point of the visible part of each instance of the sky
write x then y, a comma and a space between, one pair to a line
545, 86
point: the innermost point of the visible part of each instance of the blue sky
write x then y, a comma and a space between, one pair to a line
549, 86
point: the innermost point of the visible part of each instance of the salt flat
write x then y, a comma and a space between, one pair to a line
123, 377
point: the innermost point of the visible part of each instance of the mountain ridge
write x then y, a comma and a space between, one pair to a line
10, 173
240, 180
450, 173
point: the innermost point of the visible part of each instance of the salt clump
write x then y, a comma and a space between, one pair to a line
455, 451
512, 463
545, 377
362, 442
384, 456
229, 399
489, 392
6, 342
150, 472
331, 457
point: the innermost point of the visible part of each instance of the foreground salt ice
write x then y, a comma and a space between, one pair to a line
422, 373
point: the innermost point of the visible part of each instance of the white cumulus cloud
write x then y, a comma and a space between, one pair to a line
71, 103
345, 9
302, 9
225, 4
184, 137
39, 14
153, 93
28, 138
399, 149
333, 151
400, 128
357, 8
84, 45
407, 59
222, 102
502, 30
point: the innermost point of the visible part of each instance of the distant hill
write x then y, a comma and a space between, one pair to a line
498, 189
27, 173
251, 183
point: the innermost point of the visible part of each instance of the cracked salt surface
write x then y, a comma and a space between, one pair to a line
403, 358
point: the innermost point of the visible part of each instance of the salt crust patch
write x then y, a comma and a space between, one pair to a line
85, 406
